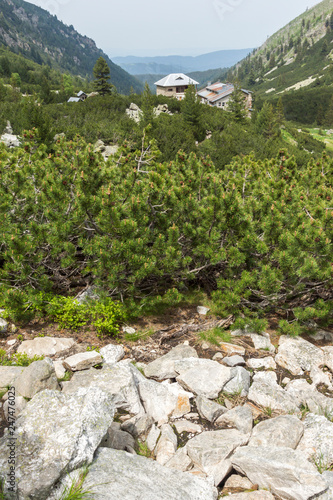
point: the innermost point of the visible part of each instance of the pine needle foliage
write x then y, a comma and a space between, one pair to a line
258, 234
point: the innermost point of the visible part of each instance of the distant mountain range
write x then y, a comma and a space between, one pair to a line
37, 35
163, 65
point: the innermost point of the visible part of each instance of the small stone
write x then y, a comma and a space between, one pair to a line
205, 346
186, 342
82, 361
187, 426
180, 461
59, 369
285, 381
138, 426
129, 330
167, 445
11, 342
236, 481
192, 416
232, 349
152, 437
256, 363
112, 353
235, 360
239, 383
20, 404
209, 409
218, 356
3, 326
203, 310
240, 418
45, 346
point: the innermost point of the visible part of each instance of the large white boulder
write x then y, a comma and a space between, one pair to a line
55, 434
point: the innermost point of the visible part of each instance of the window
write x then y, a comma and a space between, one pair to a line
170, 90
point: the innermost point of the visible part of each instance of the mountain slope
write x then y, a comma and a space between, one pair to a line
294, 57
185, 64
39, 36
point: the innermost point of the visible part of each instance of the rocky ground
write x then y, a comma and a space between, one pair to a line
171, 417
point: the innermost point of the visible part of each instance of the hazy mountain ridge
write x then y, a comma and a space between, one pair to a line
39, 36
173, 64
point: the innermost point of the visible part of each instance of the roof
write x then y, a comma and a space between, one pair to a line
81, 93
74, 99
218, 91
176, 79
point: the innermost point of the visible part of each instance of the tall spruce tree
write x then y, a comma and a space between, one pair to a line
102, 75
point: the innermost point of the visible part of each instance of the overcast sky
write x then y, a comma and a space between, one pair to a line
184, 27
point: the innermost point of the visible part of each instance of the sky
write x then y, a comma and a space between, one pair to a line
182, 27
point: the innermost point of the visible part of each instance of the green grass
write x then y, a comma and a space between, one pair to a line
215, 336
17, 359
139, 335
320, 135
143, 450
76, 490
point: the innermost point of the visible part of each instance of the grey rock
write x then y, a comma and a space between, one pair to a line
118, 439
117, 475
138, 426
323, 335
252, 495
328, 356
163, 400
8, 375
240, 418
235, 360
112, 353
239, 383
10, 140
266, 363
282, 470
266, 392
134, 112
236, 481
262, 342
15, 409
187, 426
203, 377
229, 349
3, 326
152, 437
82, 361
180, 460
36, 377
285, 431
59, 369
117, 380
328, 477
90, 294
164, 367
317, 441
56, 433
218, 356
45, 346
210, 450
298, 355
307, 395
203, 310
209, 409
166, 446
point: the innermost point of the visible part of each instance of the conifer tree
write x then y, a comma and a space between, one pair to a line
102, 75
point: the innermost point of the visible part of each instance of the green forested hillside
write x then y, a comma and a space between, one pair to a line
296, 65
40, 37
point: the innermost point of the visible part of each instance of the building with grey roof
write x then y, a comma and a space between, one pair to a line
174, 85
